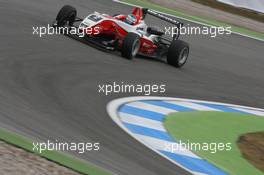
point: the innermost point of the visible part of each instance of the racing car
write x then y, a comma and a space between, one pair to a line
128, 34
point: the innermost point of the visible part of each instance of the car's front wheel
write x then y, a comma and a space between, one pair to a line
66, 14
130, 45
178, 53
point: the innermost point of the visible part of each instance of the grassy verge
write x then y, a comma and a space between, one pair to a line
145, 3
217, 127
58, 157
231, 9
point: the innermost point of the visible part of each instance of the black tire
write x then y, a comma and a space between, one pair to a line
178, 53
130, 46
66, 14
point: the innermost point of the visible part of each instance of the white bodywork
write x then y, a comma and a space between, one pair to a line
140, 29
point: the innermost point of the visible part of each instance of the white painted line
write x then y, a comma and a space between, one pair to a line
162, 145
186, 19
150, 107
254, 112
193, 106
140, 121
199, 173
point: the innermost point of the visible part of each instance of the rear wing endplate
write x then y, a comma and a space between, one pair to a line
167, 19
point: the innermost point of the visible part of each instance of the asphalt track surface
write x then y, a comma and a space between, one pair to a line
49, 85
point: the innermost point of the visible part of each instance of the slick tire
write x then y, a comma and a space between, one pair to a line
66, 14
130, 46
178, 53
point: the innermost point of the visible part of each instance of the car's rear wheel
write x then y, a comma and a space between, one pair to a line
67, 14
178, 53
130, 45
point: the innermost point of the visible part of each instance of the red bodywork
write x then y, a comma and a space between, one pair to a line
112, 30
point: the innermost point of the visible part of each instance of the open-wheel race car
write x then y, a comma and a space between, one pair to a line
128, 34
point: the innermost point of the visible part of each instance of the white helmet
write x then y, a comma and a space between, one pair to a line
131, 19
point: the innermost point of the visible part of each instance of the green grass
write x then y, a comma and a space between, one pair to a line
145, 3
217, 127
55, 156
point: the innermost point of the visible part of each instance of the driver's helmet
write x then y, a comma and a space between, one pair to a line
131, 19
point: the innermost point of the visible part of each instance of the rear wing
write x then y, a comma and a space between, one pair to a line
165, 18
